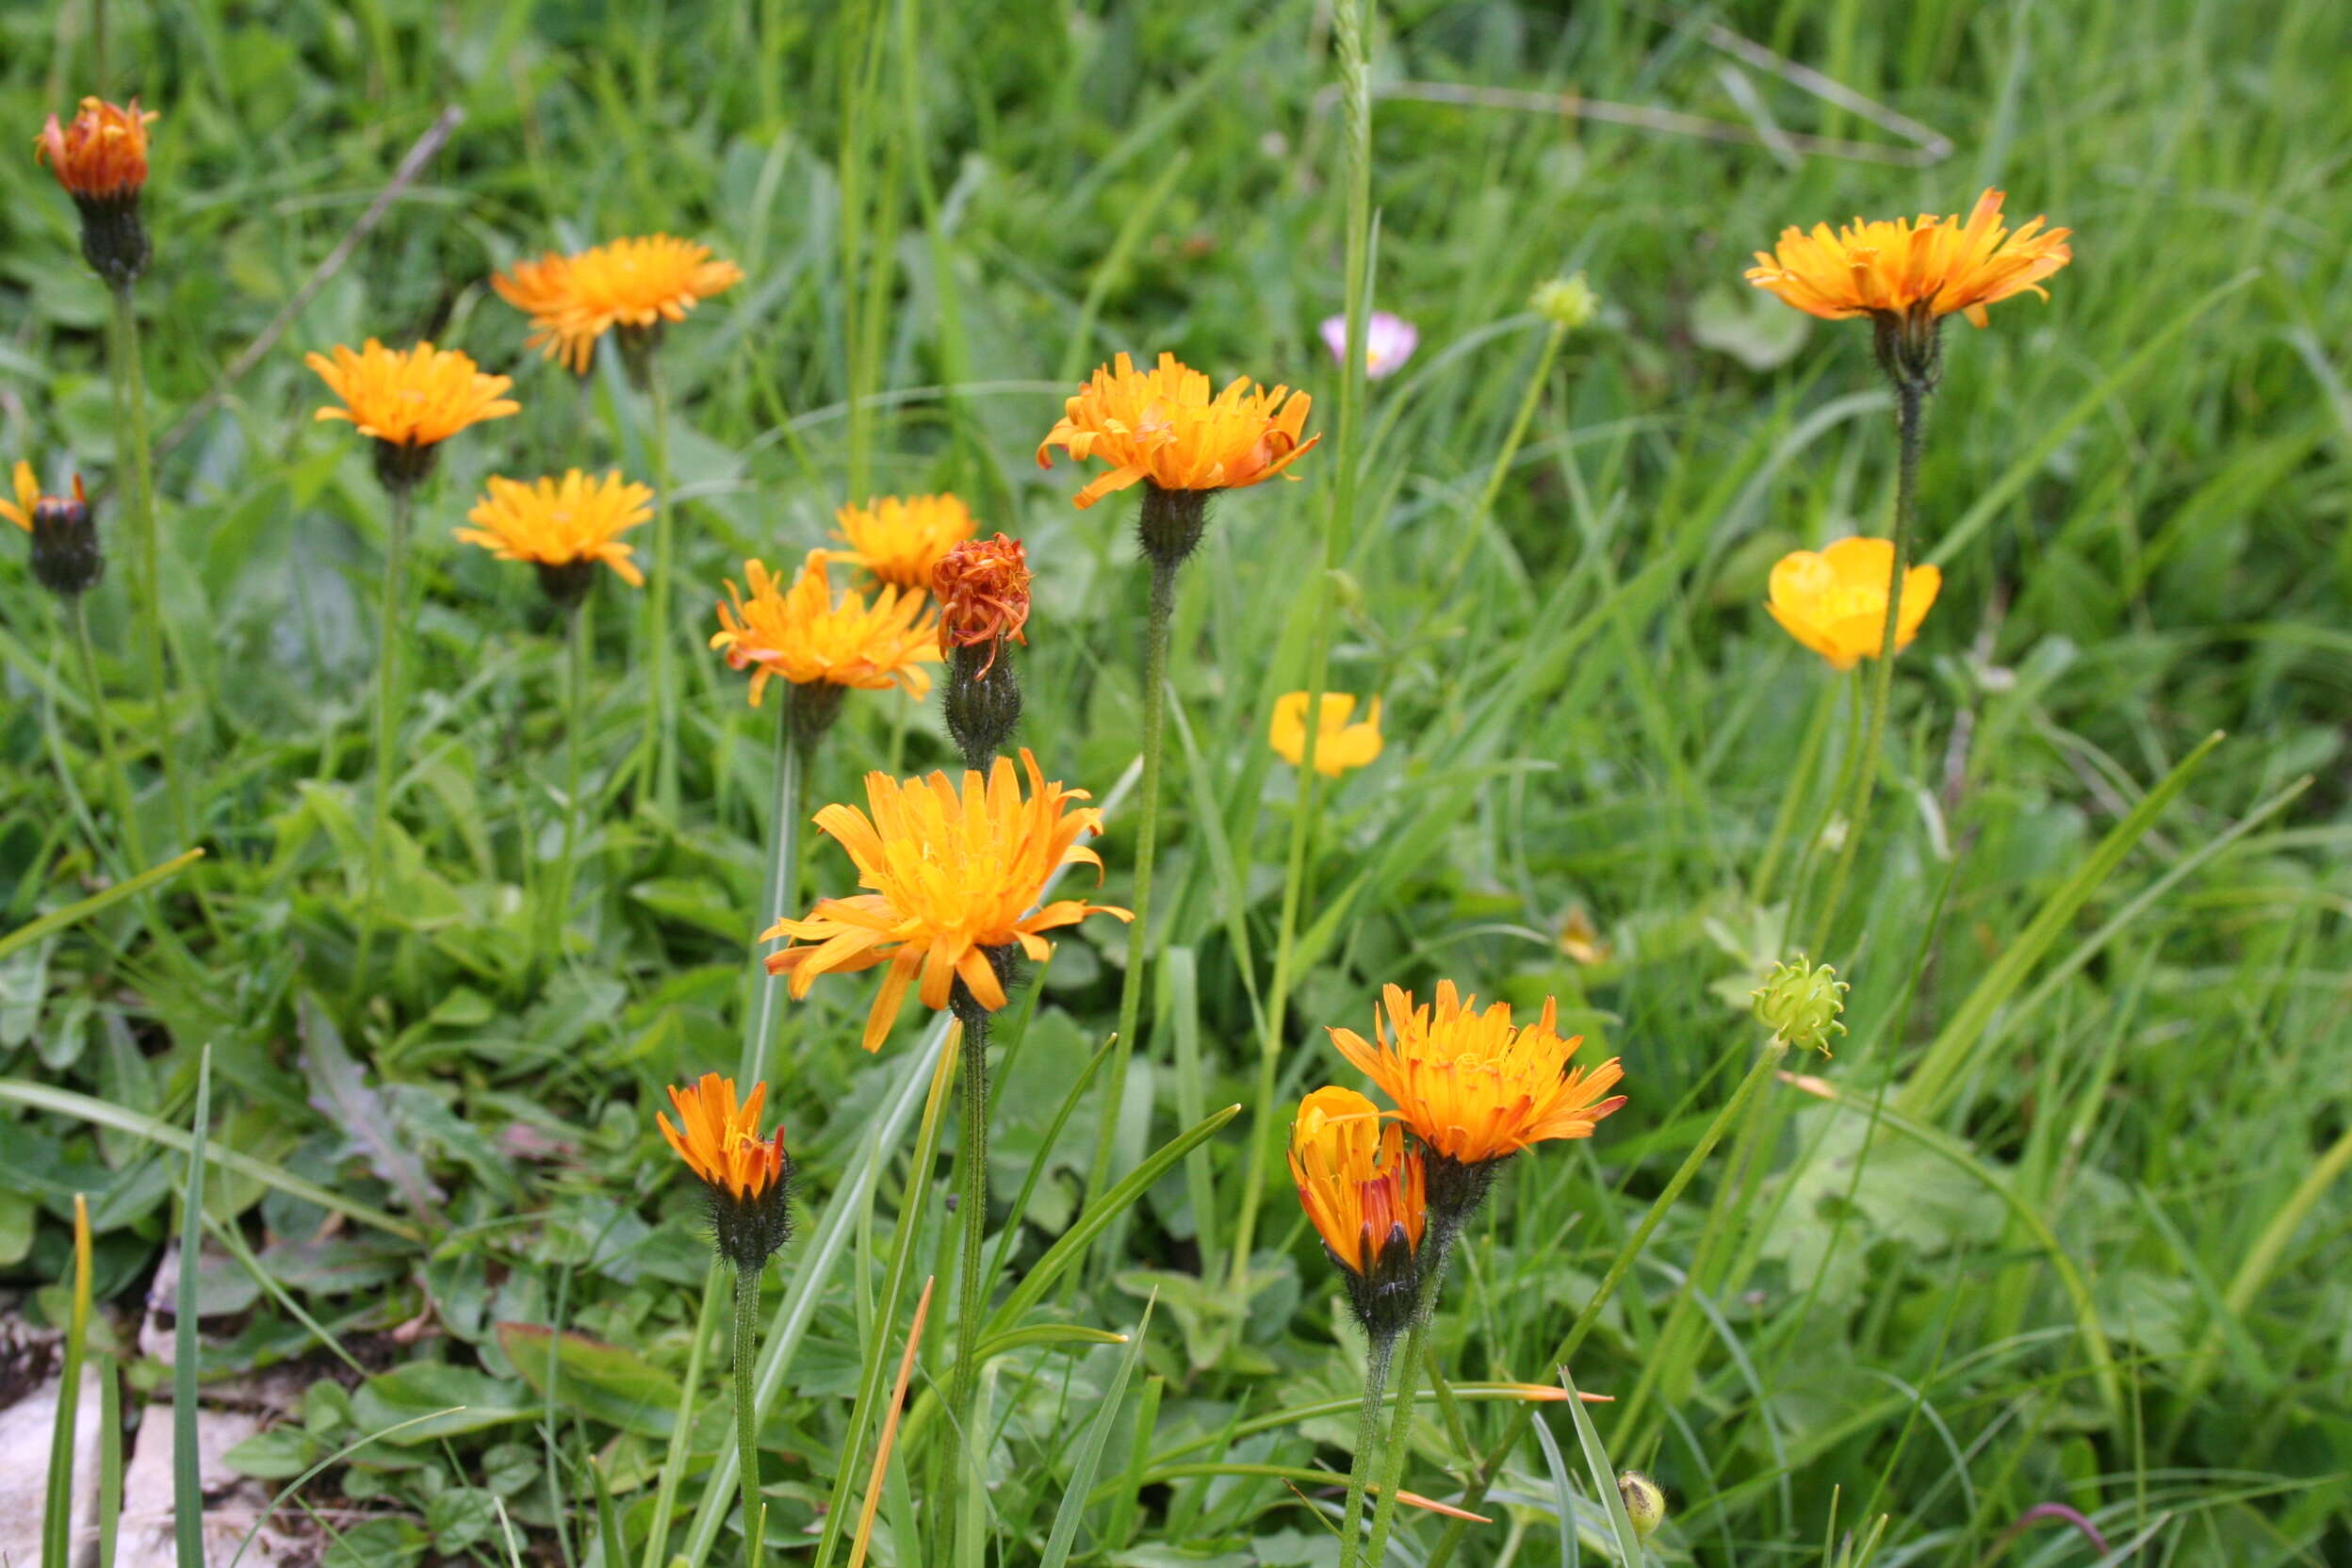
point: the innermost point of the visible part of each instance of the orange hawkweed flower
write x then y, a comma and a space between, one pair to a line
983, 589
636, 284
1475, 1086
951, 876
563, 527
1367, 1197
746, 1175
65, 557
101, 154
805, 635
1936, 266
409, 399
1339, 746
1162, 425
1833, 601
902, 541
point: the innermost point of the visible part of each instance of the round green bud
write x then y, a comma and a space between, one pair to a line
1799, 1001
1568, 303
1645, 1504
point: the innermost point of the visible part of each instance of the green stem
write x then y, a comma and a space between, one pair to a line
578, 638
674, 1461
147, 573
1792, 796
1377, 1356
792, 760
102, 719
1394, 1453
1491, 1465
1910, 400
392, 619
747, 1412
972, 1203
661, 721
1801, 875
1529, 400
1156, 642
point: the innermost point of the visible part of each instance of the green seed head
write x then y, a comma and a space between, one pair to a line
1568, 303
1799, 1001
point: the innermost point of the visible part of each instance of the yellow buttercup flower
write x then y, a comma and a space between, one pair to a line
637, 284
1339, 746
1474, 1086
1834, 601
804, 634
551, 522
720, 1140
1936, 266
1162, 425
903, 540
410, 398
950, 875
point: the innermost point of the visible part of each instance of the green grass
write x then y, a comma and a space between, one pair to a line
2067, 1222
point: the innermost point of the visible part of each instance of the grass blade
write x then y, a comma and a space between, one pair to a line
56, 1519
1604, 1476
187, 1488
74, 914
1073, 1506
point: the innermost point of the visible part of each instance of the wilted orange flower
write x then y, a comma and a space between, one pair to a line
1896, 267
573, 300
1472, 1086
1356, 1182
983, 589
1833, 601
410, 397
805, 634
102, 154
1339, 746
557, 522
902, 541
720, 1141
1162, 425
950, 875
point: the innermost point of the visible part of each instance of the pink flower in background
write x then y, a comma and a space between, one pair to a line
1389, 341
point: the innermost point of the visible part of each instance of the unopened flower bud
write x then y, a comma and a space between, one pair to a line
1800, 1003
100, 157
1645, 1504
65, 555
1566, 303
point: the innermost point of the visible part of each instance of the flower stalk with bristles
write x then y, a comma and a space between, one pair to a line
1906, 278
406, 402
1163, 430
746, 1180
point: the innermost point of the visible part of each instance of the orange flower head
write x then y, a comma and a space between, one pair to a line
950, 876
66, 557
637, 284
1162, 425
1367, 1197
102, 154
1473, 1086
983, 589
1896, 267
1338, 744
903, 541
746, 1176
805, 635
562, 526
1834, 601
410, 399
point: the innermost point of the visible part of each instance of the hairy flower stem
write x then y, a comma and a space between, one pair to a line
747, 1412
972, 1201
1379, 1351
118, 782
1397, 1446
577, 636
130, 376
391, 621
662, 719
1165, 564
1490, 1463
1910, 406
800, 726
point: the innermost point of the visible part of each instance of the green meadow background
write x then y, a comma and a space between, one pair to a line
2099, 1256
